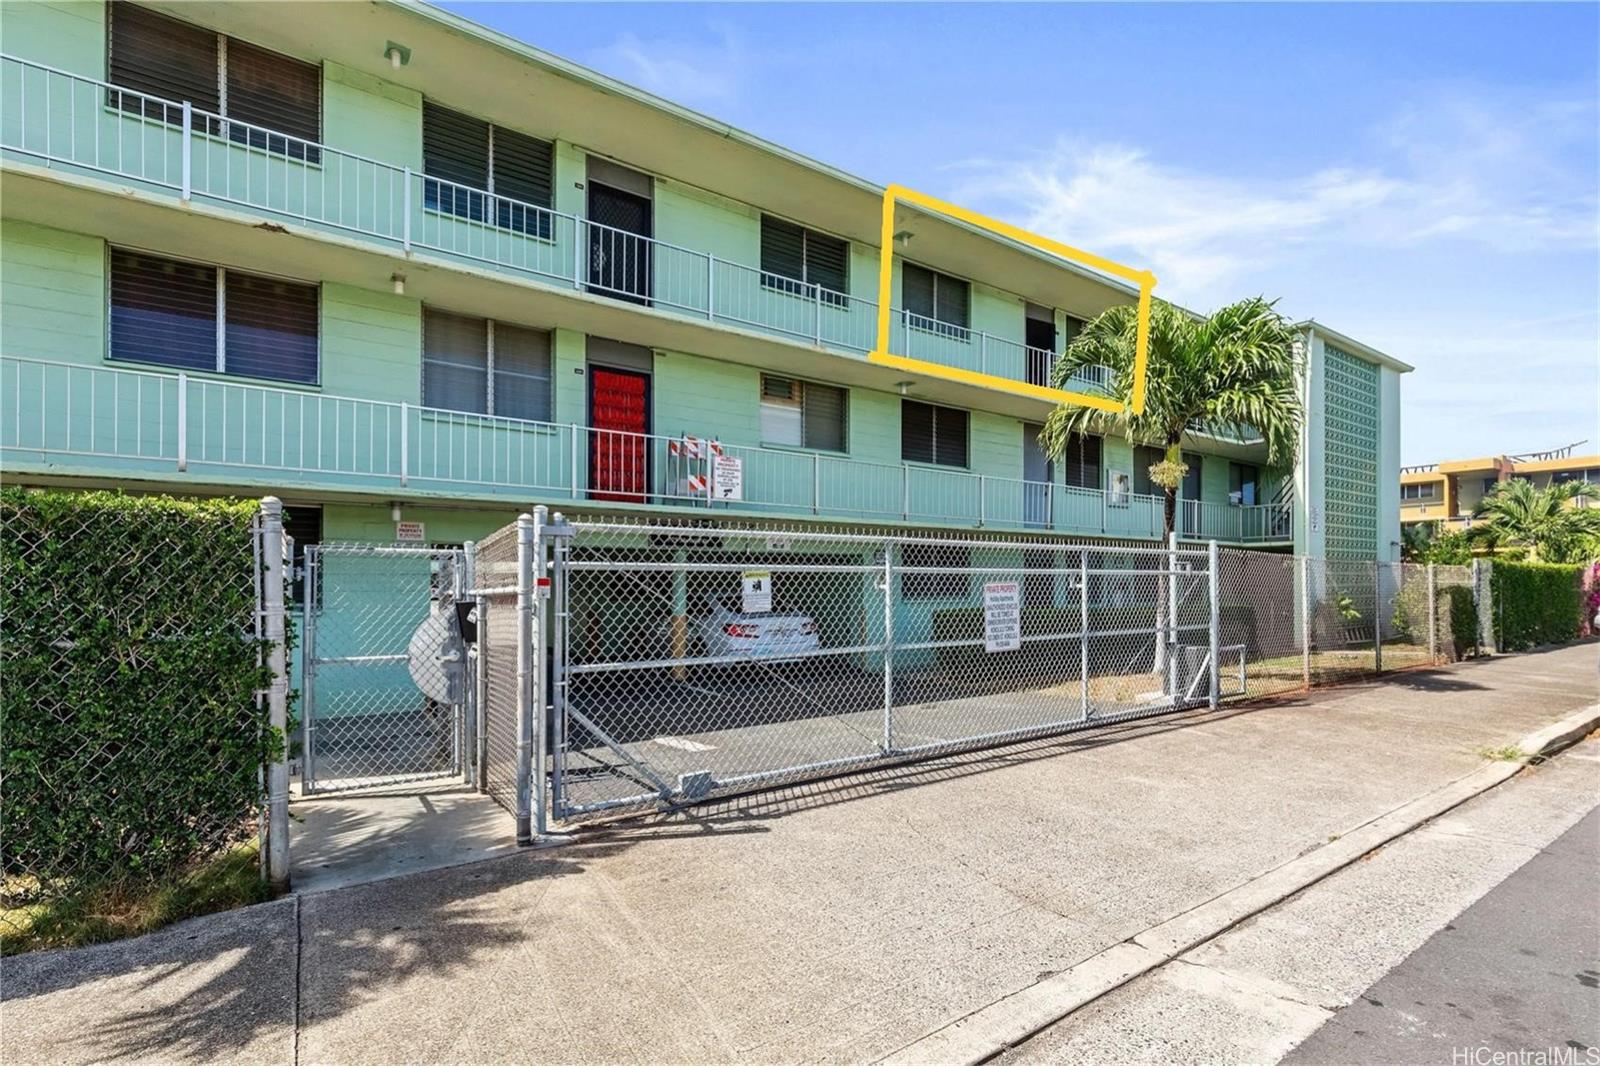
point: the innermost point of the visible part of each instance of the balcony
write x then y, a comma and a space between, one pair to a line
62, 120
111, 422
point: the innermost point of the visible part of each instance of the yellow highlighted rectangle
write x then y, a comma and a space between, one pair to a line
880, 354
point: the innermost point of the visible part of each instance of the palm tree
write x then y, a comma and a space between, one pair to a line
1235, 369
1556, 524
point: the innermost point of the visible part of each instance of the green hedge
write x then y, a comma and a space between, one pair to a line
1536, 603
133, 741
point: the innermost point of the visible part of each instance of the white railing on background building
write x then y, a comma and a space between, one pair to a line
62, 118
158, 423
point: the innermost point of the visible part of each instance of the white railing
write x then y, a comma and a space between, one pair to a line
163, 424
62, 118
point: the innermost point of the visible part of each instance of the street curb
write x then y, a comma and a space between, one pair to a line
1006, 1022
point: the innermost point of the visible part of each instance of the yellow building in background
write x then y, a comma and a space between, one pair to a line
1448, 492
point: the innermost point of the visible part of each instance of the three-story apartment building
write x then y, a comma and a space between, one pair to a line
394, 266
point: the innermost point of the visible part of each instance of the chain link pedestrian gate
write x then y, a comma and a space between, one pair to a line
684, 661
385, 685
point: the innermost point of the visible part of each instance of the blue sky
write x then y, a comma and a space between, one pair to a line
1422, 177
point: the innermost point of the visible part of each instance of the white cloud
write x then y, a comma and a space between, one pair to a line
1501, 177
1461, 236
701, 70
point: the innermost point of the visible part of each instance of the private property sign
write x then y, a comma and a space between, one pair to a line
727, 477
1002, 616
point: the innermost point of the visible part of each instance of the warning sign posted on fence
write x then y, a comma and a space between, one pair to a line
1002, 616
727, 477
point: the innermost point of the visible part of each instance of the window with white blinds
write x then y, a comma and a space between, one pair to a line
933, 434
799, 260
935, 301
486, 173
802, 414
485, 367
197, 317
276, 101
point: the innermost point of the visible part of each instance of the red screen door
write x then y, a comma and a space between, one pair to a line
619, 459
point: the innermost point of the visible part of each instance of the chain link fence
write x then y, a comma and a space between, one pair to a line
135, 673
687, 659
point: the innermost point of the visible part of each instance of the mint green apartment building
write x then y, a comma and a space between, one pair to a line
397, 269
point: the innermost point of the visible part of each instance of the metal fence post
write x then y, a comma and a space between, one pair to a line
405, 217
405, 441
277, 694
711, 287
538, 572
1305, 619
1169, 633
888, 648
465, 583
1433, 618
187, 188
1377, 616
525, 586
558, 664
572, 474
1083, 632
183, 422
1212, 560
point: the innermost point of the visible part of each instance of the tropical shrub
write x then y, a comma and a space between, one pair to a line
1536, 603
133, 737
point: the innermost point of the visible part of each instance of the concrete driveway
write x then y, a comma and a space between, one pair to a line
833, 921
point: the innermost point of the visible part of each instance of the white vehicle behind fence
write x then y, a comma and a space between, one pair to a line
719, 628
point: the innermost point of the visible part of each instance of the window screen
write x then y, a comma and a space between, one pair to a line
155, 54
1083, 458
271, 328
163, 311
521, 373
474, 157
931, 434
166, 312
951, 582
1192, 480
936, 301
455, 362
1144, 457
794, 258
271, 90
1244, 483
169, 58
460, 355
802, 413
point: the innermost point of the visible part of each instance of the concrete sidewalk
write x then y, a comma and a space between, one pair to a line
836, 921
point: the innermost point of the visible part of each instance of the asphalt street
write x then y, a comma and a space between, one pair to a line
1518, 971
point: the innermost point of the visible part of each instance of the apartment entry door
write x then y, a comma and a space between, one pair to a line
622, 221
619, 419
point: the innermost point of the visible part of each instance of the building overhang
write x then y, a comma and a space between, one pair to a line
1355, 347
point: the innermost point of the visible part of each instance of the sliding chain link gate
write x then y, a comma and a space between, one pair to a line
622, 666
386, 680
689, 661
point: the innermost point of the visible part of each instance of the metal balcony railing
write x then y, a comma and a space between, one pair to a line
66, 120
151, 423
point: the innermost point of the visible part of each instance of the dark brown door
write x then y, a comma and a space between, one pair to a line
619, 243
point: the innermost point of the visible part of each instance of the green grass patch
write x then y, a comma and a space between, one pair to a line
1509, 753
132, 906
